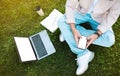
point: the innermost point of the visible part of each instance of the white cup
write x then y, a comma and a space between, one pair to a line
39, 10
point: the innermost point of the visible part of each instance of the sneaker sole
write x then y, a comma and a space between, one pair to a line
61, 39
91, 57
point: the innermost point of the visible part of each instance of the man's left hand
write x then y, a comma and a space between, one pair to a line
91, 39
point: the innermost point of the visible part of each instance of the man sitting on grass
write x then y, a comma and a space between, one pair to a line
100, 14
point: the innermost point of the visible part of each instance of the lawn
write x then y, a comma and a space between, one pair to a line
18, 18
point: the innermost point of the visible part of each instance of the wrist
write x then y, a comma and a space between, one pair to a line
99, 32
72, 25
96, 33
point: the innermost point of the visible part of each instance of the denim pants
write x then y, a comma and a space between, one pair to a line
107, 39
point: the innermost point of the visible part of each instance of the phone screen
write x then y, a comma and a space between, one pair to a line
82, 43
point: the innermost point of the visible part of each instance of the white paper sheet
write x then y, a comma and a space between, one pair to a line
50, 22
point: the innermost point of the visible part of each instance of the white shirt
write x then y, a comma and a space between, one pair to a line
92, 6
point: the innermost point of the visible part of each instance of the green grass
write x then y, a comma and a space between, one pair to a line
18, 18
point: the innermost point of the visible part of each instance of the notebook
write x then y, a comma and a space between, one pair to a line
35, 47
50, 22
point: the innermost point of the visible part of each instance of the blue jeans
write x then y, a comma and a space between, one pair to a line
107, 39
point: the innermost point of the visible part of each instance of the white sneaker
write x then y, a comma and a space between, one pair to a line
61, 38
83, 61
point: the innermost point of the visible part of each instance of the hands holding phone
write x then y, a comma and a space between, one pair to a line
84, 42
81, 41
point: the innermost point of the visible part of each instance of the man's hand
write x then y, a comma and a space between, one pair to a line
75, 32
91, 39
77, 36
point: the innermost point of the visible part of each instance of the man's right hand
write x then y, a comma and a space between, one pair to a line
77, 36
75, 32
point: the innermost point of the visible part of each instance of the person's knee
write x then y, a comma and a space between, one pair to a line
111, 41
61, 20
109, 38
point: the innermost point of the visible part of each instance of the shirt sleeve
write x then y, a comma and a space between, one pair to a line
70, 10
111, 17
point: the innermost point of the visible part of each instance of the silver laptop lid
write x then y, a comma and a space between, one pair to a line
25, 49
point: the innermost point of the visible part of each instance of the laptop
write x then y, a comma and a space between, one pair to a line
36, 47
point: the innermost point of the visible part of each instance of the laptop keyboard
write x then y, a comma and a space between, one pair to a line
40, 49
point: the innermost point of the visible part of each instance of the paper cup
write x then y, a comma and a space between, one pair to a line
40, 12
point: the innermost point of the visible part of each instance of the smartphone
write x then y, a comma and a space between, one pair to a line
82, 42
